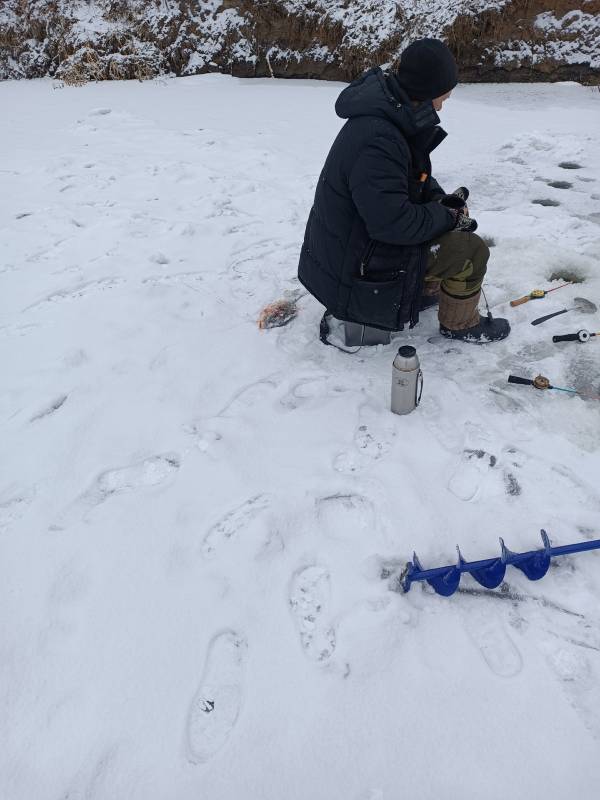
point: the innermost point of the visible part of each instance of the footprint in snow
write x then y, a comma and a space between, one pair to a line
536, 474
495, 645
373, 439
237, 519
216, 705
175, 279
573, 668
80, 291
309, 598
13, 509
149, 472
570, 645
205, 438
248, 396
57, 403
313, 389
346, 516
475, 463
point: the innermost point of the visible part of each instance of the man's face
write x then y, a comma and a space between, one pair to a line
438, 102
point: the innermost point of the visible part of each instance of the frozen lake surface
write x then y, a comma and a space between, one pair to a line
195, 514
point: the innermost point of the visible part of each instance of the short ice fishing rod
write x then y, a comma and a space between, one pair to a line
581, 336
537, 294
541, 382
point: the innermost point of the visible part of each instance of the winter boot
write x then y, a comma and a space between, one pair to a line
460, 319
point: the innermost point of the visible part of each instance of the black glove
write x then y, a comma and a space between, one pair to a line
462, 192
458, 198
463, 222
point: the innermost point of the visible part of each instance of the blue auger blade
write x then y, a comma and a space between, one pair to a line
535, 563
444, 580
447, 583
489, 573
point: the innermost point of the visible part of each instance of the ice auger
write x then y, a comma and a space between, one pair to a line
490, 572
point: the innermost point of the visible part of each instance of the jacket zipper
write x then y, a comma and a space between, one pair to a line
367, 257
422, 267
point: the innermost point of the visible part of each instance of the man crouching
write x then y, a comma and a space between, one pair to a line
383, 240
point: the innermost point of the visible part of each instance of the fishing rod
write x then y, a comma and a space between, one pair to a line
538, 294
541, 382
581, 336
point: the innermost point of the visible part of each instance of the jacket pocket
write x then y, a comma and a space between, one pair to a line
366, 257
383, 262
377, 302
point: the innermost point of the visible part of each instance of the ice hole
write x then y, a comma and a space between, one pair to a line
568, 275
545, 202
560, 184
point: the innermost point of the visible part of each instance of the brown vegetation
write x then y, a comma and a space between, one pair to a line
143, 38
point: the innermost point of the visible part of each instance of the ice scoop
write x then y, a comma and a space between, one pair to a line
579, 304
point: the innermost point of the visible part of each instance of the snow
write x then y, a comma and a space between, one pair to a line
195, 514
582, 48
582, 45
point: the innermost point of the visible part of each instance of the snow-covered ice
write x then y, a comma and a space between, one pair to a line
195, 514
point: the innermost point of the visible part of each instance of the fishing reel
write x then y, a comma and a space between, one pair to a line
581, 336
540, 382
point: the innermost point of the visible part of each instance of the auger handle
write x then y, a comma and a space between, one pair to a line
539, 320
566, 337
523, 381
520, 301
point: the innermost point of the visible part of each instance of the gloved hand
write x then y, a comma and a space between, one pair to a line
457, 200
462, 192
463, 222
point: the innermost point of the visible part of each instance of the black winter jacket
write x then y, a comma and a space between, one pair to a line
364, 254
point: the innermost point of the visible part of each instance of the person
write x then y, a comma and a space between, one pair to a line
383, 240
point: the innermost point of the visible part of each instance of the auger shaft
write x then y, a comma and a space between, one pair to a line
489, 572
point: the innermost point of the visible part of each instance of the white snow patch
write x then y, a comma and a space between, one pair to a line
193, 543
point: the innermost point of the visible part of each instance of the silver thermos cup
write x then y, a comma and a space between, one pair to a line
407, 381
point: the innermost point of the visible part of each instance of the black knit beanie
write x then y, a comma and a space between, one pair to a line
427, 70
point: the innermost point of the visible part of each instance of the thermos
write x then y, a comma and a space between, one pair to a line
407, 381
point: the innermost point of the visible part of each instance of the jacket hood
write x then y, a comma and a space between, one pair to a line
375, 95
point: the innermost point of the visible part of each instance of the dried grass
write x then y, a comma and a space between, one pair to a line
138, 47
82, 69
470, 34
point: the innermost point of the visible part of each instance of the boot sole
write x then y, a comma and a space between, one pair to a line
471, 339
